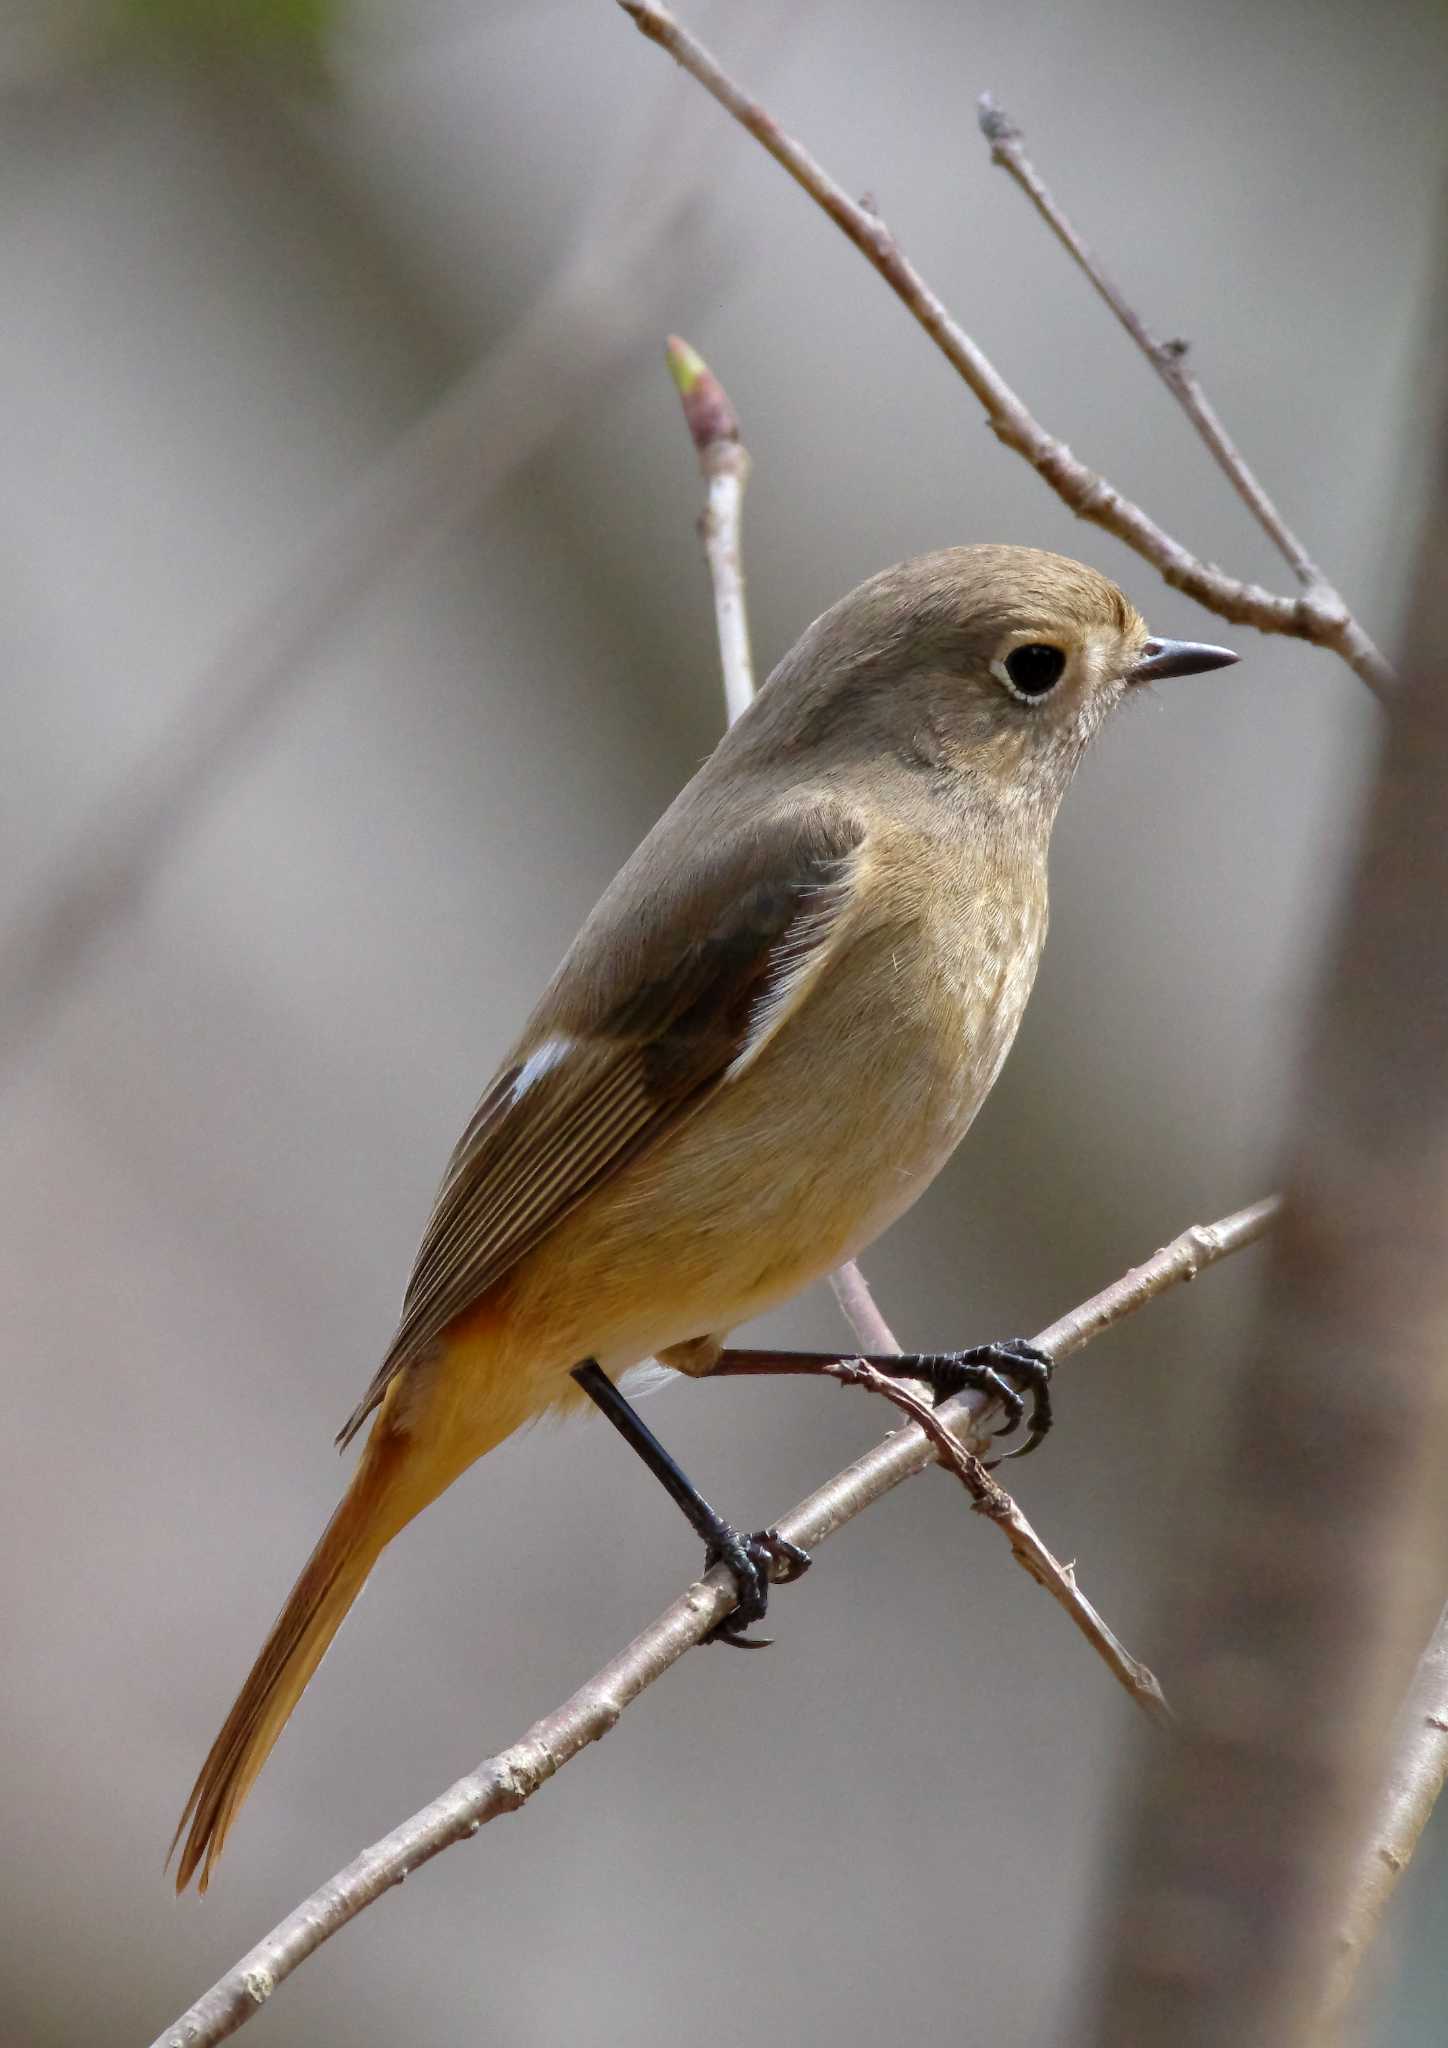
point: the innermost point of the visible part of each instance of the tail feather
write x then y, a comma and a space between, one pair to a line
369, 1515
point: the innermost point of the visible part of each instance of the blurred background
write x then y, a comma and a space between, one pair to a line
352, 630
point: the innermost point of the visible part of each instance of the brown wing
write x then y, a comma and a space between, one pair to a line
675, 984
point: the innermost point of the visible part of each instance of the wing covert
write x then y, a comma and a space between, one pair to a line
603, 1072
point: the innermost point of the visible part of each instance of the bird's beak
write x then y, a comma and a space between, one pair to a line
1177, 658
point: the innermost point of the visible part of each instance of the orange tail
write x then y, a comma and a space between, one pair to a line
378, 1503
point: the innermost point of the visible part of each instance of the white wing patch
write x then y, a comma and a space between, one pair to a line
647, 1378
800, 958
542, 1060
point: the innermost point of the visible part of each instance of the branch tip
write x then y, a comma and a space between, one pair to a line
996, 124
708, 412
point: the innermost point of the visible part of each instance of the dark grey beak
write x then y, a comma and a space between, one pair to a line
1178, 658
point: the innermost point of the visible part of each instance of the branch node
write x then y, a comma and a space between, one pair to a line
259, 1985
1320, 611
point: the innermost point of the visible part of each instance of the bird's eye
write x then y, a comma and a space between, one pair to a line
1033, 670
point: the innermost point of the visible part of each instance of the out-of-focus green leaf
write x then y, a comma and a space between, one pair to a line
243, 28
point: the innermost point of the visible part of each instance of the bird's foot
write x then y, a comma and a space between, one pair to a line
1007, 1370
755, 1562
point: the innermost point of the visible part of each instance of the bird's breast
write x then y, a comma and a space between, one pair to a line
820, 1144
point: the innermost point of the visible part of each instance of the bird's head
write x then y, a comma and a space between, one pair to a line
996, 664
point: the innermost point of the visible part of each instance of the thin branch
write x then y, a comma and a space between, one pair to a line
1169, 360
724, 463
1417, 1772
1089, 495
1181, 1260
857, 1306
504, 1782
992, 1501
714, 427
724, 460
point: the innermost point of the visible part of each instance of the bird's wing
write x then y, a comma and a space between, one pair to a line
676, 984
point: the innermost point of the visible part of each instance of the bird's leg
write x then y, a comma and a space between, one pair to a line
987, 1368
749, 1558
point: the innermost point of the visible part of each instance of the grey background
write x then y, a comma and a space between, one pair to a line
226, 296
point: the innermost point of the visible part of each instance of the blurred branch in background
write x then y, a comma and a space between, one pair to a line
1416, 1774
1320, 1540
582, 329
1311, 616
504, 1782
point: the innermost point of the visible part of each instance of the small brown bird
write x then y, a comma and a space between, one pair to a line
767, 1039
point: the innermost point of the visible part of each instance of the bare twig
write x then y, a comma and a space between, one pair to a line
504, 1782
1182, 1259
714, 425
1089, 495
992, 1501
1169, 360
724, 462
857, 1306
1417, 1771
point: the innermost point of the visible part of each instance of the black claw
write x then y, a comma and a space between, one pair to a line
750, 1559
990, 1369
1009, 1399
1031, 1367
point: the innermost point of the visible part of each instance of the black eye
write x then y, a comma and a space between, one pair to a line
1034, 669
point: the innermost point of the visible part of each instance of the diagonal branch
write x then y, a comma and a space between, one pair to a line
1169, 360
1309, 616
1416, 1774
583, 327
505, 1782
992, 1501
724, 460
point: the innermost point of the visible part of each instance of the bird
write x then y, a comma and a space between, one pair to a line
768, 1037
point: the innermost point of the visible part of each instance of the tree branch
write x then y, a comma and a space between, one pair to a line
857, 1305
992, 1501
505, 1782
1169, 360
1417, 1771
724, 460
724, 463
1089, 495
